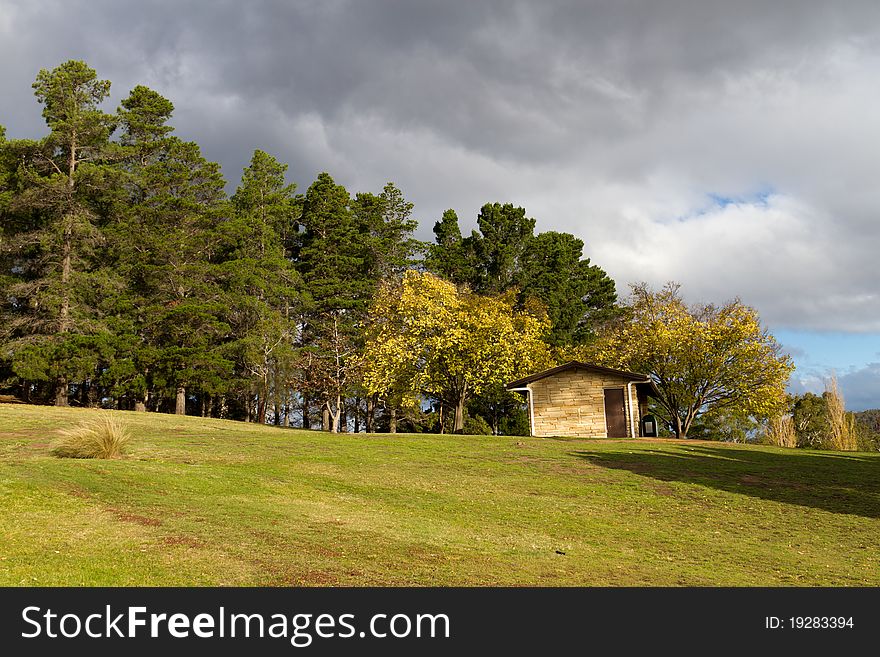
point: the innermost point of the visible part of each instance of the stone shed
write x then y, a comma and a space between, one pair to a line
585, 401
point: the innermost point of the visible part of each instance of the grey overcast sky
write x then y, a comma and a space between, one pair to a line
731, 146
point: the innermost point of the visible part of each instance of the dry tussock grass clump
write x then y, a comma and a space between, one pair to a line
104, 437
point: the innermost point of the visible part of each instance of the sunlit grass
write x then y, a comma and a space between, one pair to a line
210, 502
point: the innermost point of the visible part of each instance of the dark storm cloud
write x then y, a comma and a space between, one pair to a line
728, 145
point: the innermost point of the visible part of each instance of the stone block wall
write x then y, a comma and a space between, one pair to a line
572, 403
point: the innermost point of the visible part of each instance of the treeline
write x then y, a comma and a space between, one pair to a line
130, 279
807, 421
870, 421
819, 421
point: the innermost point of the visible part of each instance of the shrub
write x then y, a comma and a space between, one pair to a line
476, 426
104, 437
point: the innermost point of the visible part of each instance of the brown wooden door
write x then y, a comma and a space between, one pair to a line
615, 413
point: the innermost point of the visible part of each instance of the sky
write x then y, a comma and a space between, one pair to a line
729, 146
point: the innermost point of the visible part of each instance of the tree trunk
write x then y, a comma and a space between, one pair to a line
337, 416
66, 252
357, 414
458, 423
677, 426
66, 249
276, 399
325, 418
305, 411
261, 407
61, 391
285, 419
392, 421
64, 319
371, 413
441, 419
689, 420
180, 405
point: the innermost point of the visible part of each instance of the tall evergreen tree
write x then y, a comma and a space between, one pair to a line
330, 253
579, 296
185, 300
52, 326
386, 225
393, 246
169, 244
505, 253
505, 236
261, 283
331, 258
7, 166
143, 117
451, 256
489, 260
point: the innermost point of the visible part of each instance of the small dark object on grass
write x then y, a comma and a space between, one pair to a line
560, 552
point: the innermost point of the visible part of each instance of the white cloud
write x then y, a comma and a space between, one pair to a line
860, 386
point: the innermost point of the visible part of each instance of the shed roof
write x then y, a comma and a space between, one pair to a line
577, 365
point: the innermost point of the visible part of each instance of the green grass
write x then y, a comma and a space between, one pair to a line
210, 502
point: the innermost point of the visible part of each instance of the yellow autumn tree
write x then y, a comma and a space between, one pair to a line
428, 340
701, 358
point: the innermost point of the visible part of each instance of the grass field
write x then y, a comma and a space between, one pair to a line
212, 502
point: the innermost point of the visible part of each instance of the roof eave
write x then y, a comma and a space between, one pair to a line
519, 383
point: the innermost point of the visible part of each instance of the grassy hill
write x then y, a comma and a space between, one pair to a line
212, 502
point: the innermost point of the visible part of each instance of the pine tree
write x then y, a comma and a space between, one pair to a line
261, 284
451, 257
169, 247
7, 257
54, 222
506, 254
386, 224
392, 246
143, 118
579, 296
505, 236
331, 257
489, 260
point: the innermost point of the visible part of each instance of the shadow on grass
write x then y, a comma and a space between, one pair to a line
840, 483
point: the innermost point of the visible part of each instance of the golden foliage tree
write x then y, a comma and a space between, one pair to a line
701, 358
428, 340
